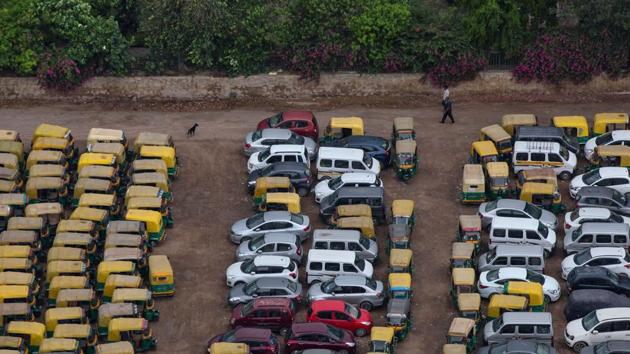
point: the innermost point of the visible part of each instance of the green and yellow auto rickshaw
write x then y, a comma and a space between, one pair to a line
469, 230
60, 282
13, 147
116, 149
75, 240
141, 297
143, 191
573, 126
159, 204
107, 312
15, 311
46, 157
537, 175
116, 281
55, 144
533, 291
17, 202
87, 299
53, 131
473, 185
105, 268
21, 278
153, 179
83, 226
383, 340
10, 180
99, 217
453, 349
403, 129
161, 278
107, 173
9, 135
363, 224
164, 153
406, 159
132, 254
50, 213
610, 155
47, 190
501, 139
91, 185
462, 331
107, 202
462, 255
60, 315
152, 139
60, 346
31, 332
122, 347
350, 210
469, 306
13, 345
399, 317
83, 333
544, 195
462, 281
67, 254
607, 122
148, 165
277, 201
483, 152
500, 304
510, 122
228, 348
104, 135
153, 222
403, 212
96, 159
400, 260
498, 180
134, 330
71, 268
341, 127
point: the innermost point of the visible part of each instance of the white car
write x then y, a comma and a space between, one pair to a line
350, 179
609, 324
616, 137
615, 259
260, 140
616, 178
492, 282
261, 267
515, 209
278, 153
573, 219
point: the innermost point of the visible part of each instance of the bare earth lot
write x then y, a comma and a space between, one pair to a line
210, 194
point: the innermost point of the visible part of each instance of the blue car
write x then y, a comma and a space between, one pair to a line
374, 146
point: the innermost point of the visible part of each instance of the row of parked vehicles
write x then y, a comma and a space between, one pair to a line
77, 231
265, 287
522, 235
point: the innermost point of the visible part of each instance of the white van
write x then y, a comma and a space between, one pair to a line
345, 240
278, 153
333, 161
325, 264
521, 231
528, 155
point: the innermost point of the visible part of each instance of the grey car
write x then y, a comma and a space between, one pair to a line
603, 197
277, 244
610, 347
515, 209
265, 287
518, 347
270, 222
365, 292
297, 172
260, 140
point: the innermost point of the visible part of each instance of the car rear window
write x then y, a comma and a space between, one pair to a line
492, 275
256, 135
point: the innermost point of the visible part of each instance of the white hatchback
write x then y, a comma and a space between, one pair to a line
350, 179
617, 178
615, 259
610, 324
616, 137
278, 153
261, 267
573, 219
492, 282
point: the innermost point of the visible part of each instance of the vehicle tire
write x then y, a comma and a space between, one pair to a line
367, 306
302, 192
238, 283
565, 176
246, 239
579, 346
343, 352
360, 332
283, 331
547, 299
546, 254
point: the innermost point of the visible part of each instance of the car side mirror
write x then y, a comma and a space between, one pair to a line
252, 273
254, 295
332, 293
259, 251
595, 332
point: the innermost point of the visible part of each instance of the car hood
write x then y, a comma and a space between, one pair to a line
482, 208
237, 291
577, 182
567, 264
253, 160
575, 327
551, 237
551, 284
234, 269
248, 138
239, 227
322, 187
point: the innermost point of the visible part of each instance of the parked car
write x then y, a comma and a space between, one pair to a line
300, 122
603, 197
317, 335
616, 259
583, 301
597, 278
353, 289
270, 222
297, 172
573, 219
276, 314
259, 340
374, 146
274, 244
597, 327
372, 196
278, 153
597, 234
617, 137
265, 287
518, 347
341, 315
350, 179
260, 140
515, 209
617, 178
262, 266
610, 347
492, 282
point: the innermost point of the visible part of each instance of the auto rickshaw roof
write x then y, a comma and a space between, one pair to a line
115, 149
532, 289
228, 348
13, 291
496, 133
72, 330
56, 345
93, 158
159, 264
12, 147
612, 150
463, 276
66, 266
10, 135
469, 301
148, 202
26, 327
118, 240
9, 174
122, 254
611, 118
461, 327
16, 278
398, 231
47, 170
75, 225
403, 123
105, 134
5, 210
99, 199
14, 308
382, 334
355, 222
539, 173
462, 250
454, 349
109, 310
398, 307
44, 155
125, 226
130, 294
402, 207
470, 222
15, 251
283, 197
15, 263
538, 188
149, 177
47, 142
508, 301
83, 294
36, 183
114, 267
116, 348
69, 282
159, 165
569, 121
157, 151
157, 139
399, 281
55, 131
354, 210
485, 148
123, 280
271, 182
399, 257
97, 171
65, 253
346, 122
473, 174
54, 313
6, 186
85, 213
143, 191
8, 159
144, 215
25, 223
73, 238
11, 342
518, 119
122, 324
405, 146
93, 184
498, 169
9, 236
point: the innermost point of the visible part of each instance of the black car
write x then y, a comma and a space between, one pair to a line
518, 347
610, 347
298, 173
583, 301
597, 278
374, 146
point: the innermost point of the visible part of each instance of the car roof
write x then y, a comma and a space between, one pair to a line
252, 332
594, 212
613, 172
511, 204
330, 305
613, 312
350, 280
272, 282
521, 345
536, 146
590, 271
271, 302
268, 260
336, 234
367, 139
297, 115
594, 227
309, 327
607, 251
596, 191
618, 345
526, 317
277, 215
278, 148
621, 134
289, 166
365, 177
276, 133
331, 255
503, 249
509, 223
538, 131
351, 191
512, 272
326, 152
280, 237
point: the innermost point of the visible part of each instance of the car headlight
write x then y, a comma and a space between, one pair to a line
365, 323
350, 344
233, 299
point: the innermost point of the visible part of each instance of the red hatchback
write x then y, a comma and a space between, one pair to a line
342, 315
300, 122
273, 313
317, 335
260, 340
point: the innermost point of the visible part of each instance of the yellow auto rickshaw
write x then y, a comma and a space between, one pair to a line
123, 347
351, 210
573, 126
17, 202
10, 180
105, 268
91, 185
266, 185
104, 135
53, 131
9, 161
403, 129
79, 241
87, 299
462, 331
158, 204
610, 155
454, 349
363, 224
83, 333
107, 312
148, 165
55, 144
28, 223
107, 173
135, 330
97, 216
67, 254
400, 260
483, 152
71, 268
161, 278
60, 315
280, 201
498, 180
127, 227
131, 254
399, 286
9, 135
21, 278
51, 213
510, 122
544, 195
607, 122
164, 153
141, 297
152, 139
116, 149
501, 139
469, 230
341, 127
228, 348
500, 303
18, 265
60, 346
15, 311
115, 281
462, 254
31, 332
127, 240
538, 175
153, 179
406, 159
473, 185
13, 147
21, 237
47, 190
83, 226
60, 282
143, 191
462, 281
107, 202
382, 340
469, 306
153, 221
18, 251
46, 157
98, 159
532, 290
403, 212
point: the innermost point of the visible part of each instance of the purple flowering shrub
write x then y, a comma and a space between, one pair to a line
60, 74
461, 68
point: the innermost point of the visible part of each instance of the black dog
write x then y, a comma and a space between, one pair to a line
192, 130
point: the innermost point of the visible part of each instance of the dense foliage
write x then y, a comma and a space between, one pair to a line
66, 41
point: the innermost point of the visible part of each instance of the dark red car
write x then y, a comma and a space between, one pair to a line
342, 315
260, 340
318, 335
273, 313
300, 122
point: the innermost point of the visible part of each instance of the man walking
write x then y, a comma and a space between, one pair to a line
447, 104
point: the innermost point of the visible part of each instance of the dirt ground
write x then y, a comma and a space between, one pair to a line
210, 194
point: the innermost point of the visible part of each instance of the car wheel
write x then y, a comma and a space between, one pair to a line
547, 299
360, 332
367, 306
302, 192
239, 283
343, 352
546, 254
579, 346
565, 176
243, 239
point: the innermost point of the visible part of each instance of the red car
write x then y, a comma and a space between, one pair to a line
260, 340
273, 313
300, 122
318, 335
342, 315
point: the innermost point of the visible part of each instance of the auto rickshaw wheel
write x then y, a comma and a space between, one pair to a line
302, 192
366, 305
565, 176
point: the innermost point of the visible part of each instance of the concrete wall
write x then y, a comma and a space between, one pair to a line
288, 87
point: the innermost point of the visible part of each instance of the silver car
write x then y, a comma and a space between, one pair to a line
265, 287
270, 222
260, 140
515, 209
518, 347
365, 292
278, 244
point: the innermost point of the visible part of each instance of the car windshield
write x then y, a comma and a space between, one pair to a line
365, 242
255, 220
371, 283
576, 234
297, 218
248, 266
492, 275
251, 288
335, 332
564, 153
533, 210
275, 120
367, 160
229, 336
616, 218
491, 254
497, 324
247, 309
535, 277
543, 230
263, 155
295, 140
491, 205
591, 177
352, 311
329, 286
582, 257
589, 321
256, 243
360, 263
335, 183
604, 139
292, 286
256, 135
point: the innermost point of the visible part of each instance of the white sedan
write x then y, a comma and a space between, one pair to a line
492, 282
350, 179
616, 259
574, 219
260, 267
617, 178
